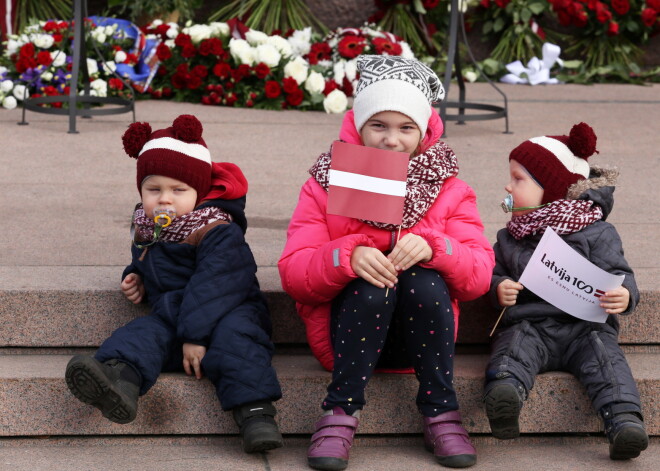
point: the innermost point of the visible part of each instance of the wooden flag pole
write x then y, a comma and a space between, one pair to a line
498, 321
397, 241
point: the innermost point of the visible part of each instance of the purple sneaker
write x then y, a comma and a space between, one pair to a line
449, 441
332, 441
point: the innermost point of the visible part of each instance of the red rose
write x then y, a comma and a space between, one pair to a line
485, 3
157, 94
27, 50
603, 14
193, 82
50, 26
163, 52
205, 48
50, 90
222, 70
330, 85
654, 5
178, 80
351, 46
612, 29
649, 16
162, 70
347, 87
182, 68
211, 46
295, 98
188, 51
57, 38
206, 100
63, 25
249, 103
272, 89
290, 85
116, 84
621, 7
161, 30
429, 4
200, 71
167, 91
230, 99
261, 70
243, 70
502, 3
43, 58
385, 46
182, 40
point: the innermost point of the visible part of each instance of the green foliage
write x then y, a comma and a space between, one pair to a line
138, 10
30, 10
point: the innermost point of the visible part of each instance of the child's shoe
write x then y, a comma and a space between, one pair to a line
112, 387
625, 431
445, 436
256, 422
503, 400
332, 441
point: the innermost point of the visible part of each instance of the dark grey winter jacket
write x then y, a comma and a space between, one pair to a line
599, 243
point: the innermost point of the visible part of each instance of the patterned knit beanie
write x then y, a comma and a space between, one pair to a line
556, 162
177, 152
392, 83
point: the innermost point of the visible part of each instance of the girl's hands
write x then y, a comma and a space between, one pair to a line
133, 288
410, 250
192, 359
615, 301
373, 266
507, 292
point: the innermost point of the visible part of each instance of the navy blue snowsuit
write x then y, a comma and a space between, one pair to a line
202, 290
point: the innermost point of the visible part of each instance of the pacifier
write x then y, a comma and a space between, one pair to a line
507, 203
163, 217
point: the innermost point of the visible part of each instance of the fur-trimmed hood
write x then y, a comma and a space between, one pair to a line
599, 188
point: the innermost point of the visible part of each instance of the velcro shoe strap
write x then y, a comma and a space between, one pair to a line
448, 428
340, 432
258, 410
341, 420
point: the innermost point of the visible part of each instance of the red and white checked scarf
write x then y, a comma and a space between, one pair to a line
564, 216
181, 226
426, 174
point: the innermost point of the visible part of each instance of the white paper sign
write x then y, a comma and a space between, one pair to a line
564, 278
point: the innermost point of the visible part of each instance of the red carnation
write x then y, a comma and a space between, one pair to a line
242, 71
57, 38
230, 99
429, 4
485, 3
603, 14
621, 7
330, 85
649, 16
222, 70
261, 70
654, 5
44, 58
27, 50
163, 52
188, 51
272, 89
347, 87
351, 46
50, 26
295, 98
502, 3
212, 46
115, 84
182, 39
290, 85
200, 71
613, 28
179, 80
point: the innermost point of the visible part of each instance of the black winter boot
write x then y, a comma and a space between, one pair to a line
625, 431
112, 387
504, 399
257, 425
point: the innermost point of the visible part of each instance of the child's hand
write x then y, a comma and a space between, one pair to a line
372, 265
615, 301
410, 250
133, 288
507, 292
192, 359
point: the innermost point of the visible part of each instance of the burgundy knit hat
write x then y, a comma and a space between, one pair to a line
556, 162
177, 152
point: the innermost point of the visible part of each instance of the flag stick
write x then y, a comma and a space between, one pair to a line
397, 241
498, 321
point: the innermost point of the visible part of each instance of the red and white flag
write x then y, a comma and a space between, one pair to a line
367, 183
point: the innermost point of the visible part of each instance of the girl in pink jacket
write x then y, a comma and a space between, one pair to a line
370, 300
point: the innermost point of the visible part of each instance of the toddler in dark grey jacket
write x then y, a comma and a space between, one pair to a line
552, 185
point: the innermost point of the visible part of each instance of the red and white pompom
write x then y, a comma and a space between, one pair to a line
187, 128
582, 140
135, 137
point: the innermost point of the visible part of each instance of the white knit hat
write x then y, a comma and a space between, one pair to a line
392, 83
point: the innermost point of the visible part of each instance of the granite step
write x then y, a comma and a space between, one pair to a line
80, 306
36, 402
201, 453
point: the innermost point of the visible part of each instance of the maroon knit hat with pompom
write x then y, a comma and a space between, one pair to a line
177, 152
556, 162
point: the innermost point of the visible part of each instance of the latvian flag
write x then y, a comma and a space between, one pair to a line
598, 293
367, 183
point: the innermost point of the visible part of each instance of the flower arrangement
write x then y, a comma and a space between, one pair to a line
38, 62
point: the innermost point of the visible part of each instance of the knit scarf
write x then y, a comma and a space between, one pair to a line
564, 216
181, 226
426, 174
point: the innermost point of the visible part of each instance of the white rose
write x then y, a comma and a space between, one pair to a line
219, 29
156, 23
92, 66
100, 86
241, 51
255, 37
9, 103
43, 41
198, 33
470, 75
100, 37
170, 43
173, 32
335, 102
3, 69
120, 56
268, 55
109, 67
406, 52
12, 47
58, 57
301, 41
21, 92
315, 83
110, 30
6, 86
351, 69
281, 45
47, 76
297, 68
338, 72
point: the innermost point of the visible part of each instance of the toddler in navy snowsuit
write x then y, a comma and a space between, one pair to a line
552, 185
191, 263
